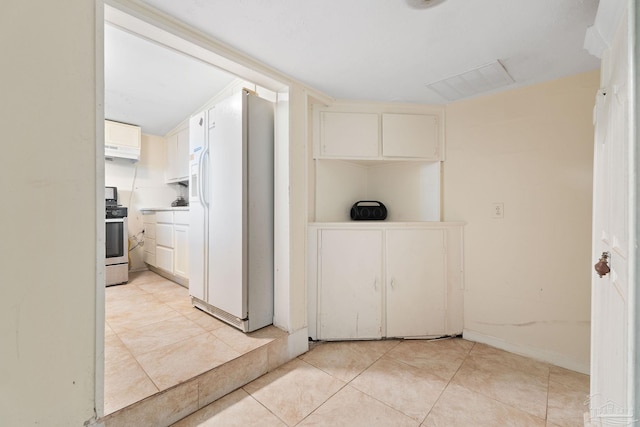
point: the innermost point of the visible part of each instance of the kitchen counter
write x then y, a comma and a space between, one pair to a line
165, 208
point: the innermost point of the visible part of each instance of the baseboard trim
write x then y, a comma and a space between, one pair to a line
177, 279
523, 350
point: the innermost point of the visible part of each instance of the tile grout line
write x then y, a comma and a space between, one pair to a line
500, 401
259, 403
546, 408
448, 384
346, 383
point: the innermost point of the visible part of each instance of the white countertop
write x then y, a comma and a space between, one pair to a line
166, 208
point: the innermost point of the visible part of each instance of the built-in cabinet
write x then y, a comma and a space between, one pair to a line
122, 140
178, 155
166, 248
370, 281
402, 277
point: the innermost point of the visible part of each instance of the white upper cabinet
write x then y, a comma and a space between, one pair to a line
178, 156
349, 135
410, 135
379, 132
122, 140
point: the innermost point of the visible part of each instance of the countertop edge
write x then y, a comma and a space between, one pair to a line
398, 224
170, 208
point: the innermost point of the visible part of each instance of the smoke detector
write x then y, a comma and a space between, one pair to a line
422, 4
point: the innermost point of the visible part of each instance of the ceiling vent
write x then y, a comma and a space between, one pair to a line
479, 80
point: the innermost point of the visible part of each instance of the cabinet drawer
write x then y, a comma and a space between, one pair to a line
164, 235
164, 216
181, 217
149, 231
148, 217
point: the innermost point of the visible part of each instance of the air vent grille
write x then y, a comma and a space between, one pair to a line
479, 80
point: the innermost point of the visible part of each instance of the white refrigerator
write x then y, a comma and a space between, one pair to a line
231, 211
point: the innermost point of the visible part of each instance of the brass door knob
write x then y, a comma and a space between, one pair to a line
602, 266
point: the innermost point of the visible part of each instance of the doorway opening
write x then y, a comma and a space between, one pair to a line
136, 30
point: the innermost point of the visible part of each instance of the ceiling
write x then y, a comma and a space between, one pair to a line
154, 87
382, 50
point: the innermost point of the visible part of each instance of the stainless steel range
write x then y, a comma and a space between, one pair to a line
116, 240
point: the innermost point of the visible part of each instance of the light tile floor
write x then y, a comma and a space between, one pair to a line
155, 339
449, 382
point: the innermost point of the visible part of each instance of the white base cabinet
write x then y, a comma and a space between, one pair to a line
369, 281
166, 247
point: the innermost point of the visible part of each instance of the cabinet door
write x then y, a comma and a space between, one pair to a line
164, 258
349, 135
182, 164
181, 250
416, 283
171, 172
349, 288
410, 135
149, 255
121, 134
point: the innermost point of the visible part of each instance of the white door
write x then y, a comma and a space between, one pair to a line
611, 359
350, 286
416, 283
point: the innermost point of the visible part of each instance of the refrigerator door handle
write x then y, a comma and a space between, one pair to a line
202, 182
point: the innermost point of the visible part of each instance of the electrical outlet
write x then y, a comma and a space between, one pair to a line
497, 211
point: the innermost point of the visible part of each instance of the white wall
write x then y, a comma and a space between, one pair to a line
528, 275
49, 219
142, 185
409, 190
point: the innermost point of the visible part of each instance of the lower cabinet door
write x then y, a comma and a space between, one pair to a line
415, 282
164, 258
350, 286
181, 250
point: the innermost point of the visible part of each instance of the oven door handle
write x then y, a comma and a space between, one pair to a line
115, 219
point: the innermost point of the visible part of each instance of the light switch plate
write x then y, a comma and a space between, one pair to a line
497, 210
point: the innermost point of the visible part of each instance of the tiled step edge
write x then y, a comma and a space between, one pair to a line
171, 405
